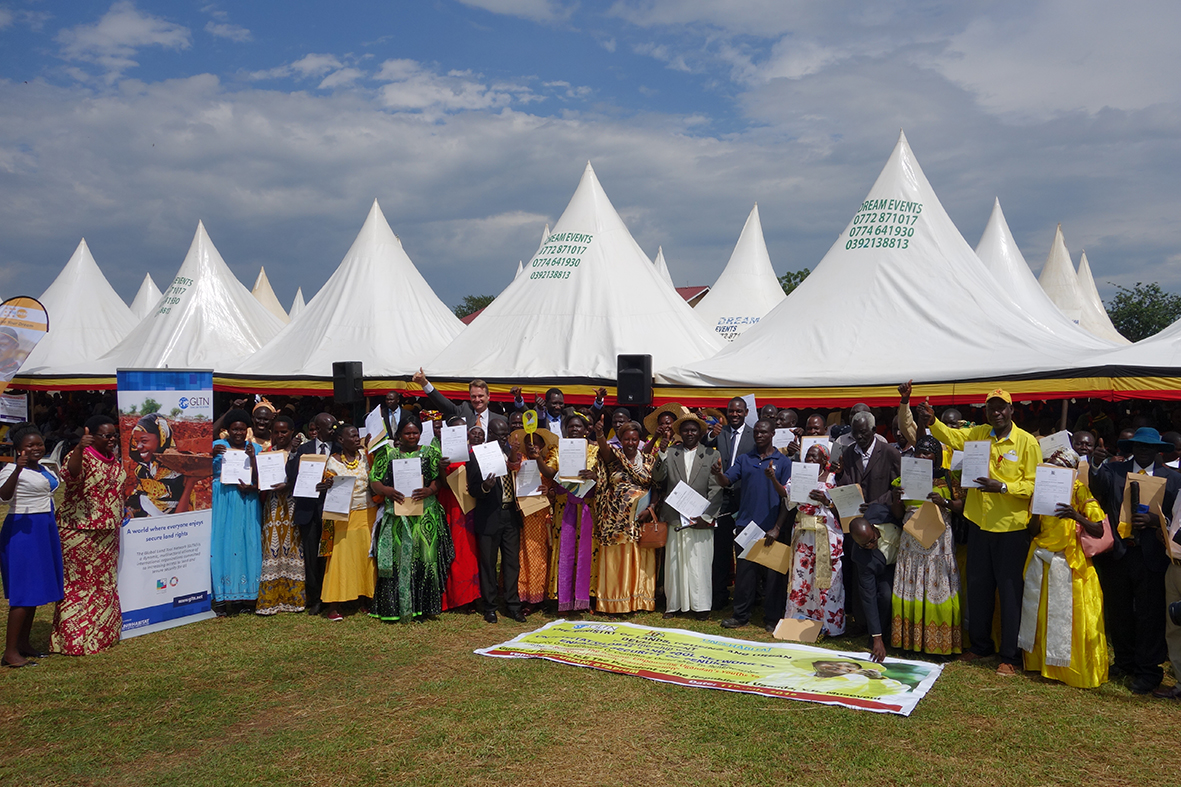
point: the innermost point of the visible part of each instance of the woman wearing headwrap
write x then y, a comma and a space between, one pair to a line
158, 490
1062, 627
236, 541
817, 589
926, 598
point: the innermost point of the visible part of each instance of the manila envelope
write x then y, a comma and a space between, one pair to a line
1152, 494
532, 504
926, 525
798, 630
458, 483
776, 557
408, 507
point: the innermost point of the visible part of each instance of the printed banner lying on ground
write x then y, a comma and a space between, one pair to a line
688, 658
166, 429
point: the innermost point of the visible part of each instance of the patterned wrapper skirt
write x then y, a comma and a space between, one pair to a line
281, 587
88, 619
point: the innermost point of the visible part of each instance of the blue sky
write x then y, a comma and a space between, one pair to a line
278, 123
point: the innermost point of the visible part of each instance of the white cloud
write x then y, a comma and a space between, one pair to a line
341, 78
5, 18
537, 10
235, 33
410, 87
308, 66
113, 40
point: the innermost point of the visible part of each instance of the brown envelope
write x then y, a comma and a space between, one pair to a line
776, 557
532, 504
798, 630
926, 525
458, 483
408, 507
1152, 494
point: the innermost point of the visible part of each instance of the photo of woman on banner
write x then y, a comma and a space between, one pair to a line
158, 489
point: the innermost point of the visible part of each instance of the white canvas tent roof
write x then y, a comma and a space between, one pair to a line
207, 320
263, 293
146, 299
1095, 317
297, 304
662, 267
900, 295
86, 316
999, 252
1060, 281
747, 288
375, 308
589, 294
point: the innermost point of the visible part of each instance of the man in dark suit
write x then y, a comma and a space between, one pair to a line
875, 576
1133, 573
732, 441
475, 410
873, 463
551, 408
306, 515
497, 522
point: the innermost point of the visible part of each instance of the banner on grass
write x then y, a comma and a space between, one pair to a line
689, 658
166, 431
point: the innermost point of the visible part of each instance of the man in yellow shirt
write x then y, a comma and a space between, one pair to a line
998, 508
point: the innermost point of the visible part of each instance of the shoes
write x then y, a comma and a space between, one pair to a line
1144, 685
1006, 670
770, 627
733, 623
335, 617
968, 656
490, 617
519, 616
668, 616
1115, 671
315, 609
5, 663
35, 654
701, 615
1170, 693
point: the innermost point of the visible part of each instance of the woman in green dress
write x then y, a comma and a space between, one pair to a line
413, 553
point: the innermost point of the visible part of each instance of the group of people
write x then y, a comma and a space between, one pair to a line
965, 571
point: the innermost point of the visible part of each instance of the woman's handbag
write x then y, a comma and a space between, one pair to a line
653, 535
1096, 546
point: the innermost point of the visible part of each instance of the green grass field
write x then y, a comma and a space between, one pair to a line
296, 700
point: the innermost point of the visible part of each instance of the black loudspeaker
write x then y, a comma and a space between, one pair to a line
347, 382
633, 379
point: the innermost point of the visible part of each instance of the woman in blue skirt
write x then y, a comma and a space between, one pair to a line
30, 550
236, 548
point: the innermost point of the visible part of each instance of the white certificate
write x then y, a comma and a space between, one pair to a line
529, 479
1051, 486
428, 434
1059, 441
782, 439
977, 457
805, 477
311, 472
272, 469
339, 498
685, 500
747, 537
916, 478
848, 500
235, 467
752, 410
454, 443
571, 457
806, 444
407, 475
957, 460
491, 459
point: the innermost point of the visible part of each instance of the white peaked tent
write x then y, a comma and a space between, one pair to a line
86, 316
297, 304
263, 293
589, 294
1000, 255
520, 267
900, 295
207, 320
375, 308
747, 288
1060, 281
147, 299
1095, 318
662, 267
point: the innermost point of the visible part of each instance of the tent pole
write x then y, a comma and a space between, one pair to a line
1065, 404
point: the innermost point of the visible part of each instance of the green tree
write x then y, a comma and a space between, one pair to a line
792, 279
472, 304
176, 412
1143, 310
149, 406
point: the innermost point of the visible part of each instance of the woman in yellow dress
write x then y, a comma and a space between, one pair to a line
350, 573
1062, 629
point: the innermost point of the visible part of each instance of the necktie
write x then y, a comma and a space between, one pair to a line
323, 449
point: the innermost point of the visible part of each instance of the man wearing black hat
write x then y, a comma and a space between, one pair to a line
1133, 573
998, 509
